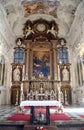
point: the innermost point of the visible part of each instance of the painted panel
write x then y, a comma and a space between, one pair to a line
41, 64
40, 6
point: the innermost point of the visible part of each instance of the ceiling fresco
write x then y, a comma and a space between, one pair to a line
40, 6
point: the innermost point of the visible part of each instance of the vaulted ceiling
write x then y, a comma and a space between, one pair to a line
17, 9
16, 13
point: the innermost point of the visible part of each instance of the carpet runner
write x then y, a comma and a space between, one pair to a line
26, 117
19, 117
61, 116
82, 116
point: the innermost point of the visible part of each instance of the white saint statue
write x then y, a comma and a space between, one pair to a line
19, 42
62, 42
41, 89
16, 74
65, 74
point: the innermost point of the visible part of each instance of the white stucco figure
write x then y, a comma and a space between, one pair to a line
65, 74
19, 42
29, 31
62, 42
16, 74
52, 31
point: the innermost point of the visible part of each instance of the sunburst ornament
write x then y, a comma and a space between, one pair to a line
41, 27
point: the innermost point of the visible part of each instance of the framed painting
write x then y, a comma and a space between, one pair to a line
41, 64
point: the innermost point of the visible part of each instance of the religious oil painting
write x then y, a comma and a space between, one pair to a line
40, 6
41, 64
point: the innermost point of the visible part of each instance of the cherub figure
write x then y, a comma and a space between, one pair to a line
29, 31
52, 31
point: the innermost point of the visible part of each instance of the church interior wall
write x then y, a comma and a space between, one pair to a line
75, 38
2, 88
6, 40
2, 95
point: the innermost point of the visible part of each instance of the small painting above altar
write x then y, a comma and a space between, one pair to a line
41, 64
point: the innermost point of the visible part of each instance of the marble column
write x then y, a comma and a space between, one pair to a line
31, 64
55, 70
59, 92
83, 72
27, 68
55, 60
51, 66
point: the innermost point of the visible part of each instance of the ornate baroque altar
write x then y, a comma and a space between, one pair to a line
41, 69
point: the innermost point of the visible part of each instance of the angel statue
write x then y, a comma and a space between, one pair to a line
52, 31
29, 31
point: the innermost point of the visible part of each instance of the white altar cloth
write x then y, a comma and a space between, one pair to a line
40, 103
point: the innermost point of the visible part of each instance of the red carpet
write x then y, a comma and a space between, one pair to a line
27, 107
53, 117
20, 117
81, 116
59, 117
26, 117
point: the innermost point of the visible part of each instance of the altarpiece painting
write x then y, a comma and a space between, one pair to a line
41, 64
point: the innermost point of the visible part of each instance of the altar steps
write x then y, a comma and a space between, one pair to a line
38, 127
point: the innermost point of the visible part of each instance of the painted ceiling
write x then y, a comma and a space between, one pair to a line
17, 12
40, 6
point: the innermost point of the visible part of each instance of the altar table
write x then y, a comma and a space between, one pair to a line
40, 103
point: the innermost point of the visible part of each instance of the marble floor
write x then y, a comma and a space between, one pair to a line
6, 111
72, 111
